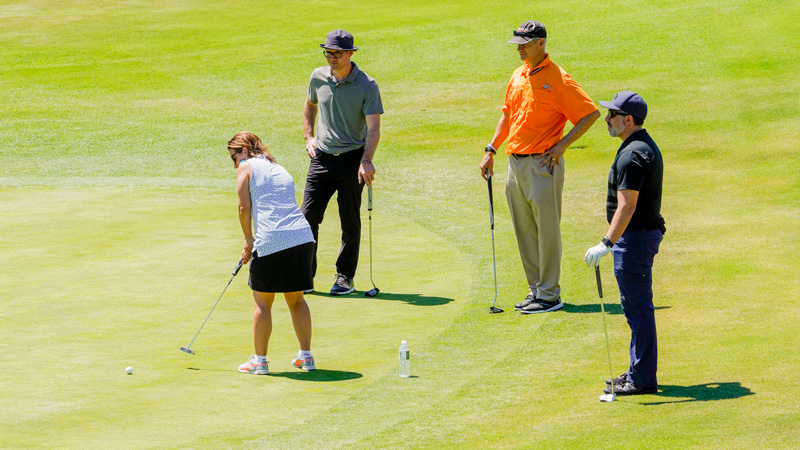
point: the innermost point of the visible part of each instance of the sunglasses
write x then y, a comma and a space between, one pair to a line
612, 113
527, 34
329, 54
233, 156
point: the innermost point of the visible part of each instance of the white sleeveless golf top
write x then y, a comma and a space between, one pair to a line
279, 224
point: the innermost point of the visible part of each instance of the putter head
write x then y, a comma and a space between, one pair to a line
187, 350
495, 310
372, 292
608, 398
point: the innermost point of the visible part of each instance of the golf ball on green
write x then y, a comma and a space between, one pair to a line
129, 370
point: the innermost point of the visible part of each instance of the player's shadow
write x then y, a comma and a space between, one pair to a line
414, 299
411, 299
319, 375
611, 308
701, 392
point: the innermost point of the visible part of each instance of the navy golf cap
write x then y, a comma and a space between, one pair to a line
527, 32
339, 40
628, 102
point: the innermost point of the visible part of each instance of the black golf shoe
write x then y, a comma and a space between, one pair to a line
628, 388
528, 300
542, 306
618, 380
342, 285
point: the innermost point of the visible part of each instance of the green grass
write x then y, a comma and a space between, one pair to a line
118, 229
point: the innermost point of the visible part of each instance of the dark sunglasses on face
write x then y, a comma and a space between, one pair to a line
233, 156
612, 113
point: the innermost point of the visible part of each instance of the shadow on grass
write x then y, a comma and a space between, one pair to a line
701, 392
611, 308
319, 375
411, 299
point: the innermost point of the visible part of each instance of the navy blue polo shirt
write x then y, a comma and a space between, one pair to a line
638, 166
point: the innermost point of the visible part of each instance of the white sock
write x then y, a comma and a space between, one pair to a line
305, 353
261, 359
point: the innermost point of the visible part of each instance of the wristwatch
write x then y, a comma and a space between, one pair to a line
607, 242
489, 148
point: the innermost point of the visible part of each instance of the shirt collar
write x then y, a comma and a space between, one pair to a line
634, 136
541, 65
351, 78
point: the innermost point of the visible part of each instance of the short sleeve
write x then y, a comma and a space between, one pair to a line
631, 170
573, 101
312, 90
372, 99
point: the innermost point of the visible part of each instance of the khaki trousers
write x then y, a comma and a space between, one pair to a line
534, 200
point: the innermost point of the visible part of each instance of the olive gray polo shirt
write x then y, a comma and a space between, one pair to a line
343, 108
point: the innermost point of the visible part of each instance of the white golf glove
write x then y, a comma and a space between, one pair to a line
593, 255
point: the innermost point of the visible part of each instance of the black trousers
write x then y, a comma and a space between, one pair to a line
336, 173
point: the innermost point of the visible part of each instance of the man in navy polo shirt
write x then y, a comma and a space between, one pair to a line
350, 108
633, 210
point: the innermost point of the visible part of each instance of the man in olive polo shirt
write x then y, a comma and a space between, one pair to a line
349, 105
540, 98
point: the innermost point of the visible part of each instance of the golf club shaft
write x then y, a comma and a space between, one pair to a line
491, 222
235, 271
369, 208
605, 327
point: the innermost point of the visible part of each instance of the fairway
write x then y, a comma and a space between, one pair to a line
119, 231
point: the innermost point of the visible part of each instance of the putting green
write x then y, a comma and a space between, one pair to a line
98, 279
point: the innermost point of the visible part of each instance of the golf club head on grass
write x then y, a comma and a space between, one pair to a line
187, 350
608, 398
495, 310
372, 292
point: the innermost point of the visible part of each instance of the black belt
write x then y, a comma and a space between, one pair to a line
525, 155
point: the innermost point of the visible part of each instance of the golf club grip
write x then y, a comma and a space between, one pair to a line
599, 283
369, 198
491, 199
236, 270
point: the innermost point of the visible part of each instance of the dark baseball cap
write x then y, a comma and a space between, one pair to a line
628, 102
527, 32
339, 40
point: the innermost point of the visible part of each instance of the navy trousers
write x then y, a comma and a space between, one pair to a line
633, 267
328, 174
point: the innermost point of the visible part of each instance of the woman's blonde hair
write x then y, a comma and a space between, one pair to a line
251, 144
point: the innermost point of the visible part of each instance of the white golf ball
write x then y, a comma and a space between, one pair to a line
129, 370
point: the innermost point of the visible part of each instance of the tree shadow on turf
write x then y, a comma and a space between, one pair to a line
411, 299
701, 392
611, 308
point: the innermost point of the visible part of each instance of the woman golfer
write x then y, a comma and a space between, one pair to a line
280, 250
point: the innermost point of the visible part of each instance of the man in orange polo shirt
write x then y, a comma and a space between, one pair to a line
540, 98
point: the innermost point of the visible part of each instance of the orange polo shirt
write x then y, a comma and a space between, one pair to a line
539, 106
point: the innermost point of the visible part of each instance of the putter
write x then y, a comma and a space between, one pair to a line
188, 349
374, 291
492, 309
606, 398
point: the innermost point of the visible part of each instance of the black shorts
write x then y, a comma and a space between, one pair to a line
286, 271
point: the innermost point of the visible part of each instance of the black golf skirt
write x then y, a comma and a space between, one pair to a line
285, 271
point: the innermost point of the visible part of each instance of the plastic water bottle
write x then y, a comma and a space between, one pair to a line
405, 360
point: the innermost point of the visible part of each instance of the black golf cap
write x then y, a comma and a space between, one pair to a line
628, 102
339, 40
527, 32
